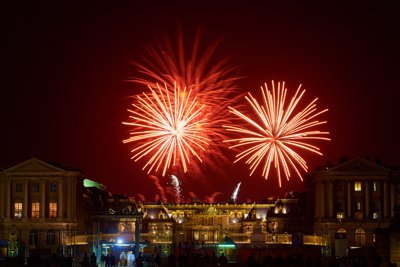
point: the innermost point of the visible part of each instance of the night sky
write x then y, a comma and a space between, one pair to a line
64, 88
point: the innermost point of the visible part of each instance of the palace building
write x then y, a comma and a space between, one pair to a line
352, 201
49, 209
43, 208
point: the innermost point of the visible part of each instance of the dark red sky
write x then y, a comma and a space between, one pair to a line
64, 91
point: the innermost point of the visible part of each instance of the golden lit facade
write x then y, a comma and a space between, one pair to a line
38, 207
351, 200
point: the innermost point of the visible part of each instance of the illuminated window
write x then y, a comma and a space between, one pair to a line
374, 187
17, 210
35, 187
35, 209
358, 205
18, 187
53, 209
340, 215
53, 187
50, 238
357, 186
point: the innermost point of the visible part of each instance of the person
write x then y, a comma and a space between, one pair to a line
85, 261
93, 259
139, 260
131, 258
103, 260
222, 260
122, 258
157, 259
107, 260
112, 260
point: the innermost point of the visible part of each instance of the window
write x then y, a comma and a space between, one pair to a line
53, 209
18, 187
33, 238
18, 210
35, 209
359, 237
340, 215
374, 187
35, 187
358, 206
357, 186
50, 238
53, 187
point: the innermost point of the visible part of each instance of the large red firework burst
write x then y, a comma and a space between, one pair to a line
210, 81
276, 130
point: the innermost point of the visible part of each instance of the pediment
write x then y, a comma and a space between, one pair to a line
33, 166
360, 165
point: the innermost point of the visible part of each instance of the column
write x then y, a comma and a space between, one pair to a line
366, 199
385, 200
330, 199
74, 199
25, 207
69, 199
60, 199
43, 200
349, 211
316, 201
322, 199
1, 200
137, 235
392, 199
8, 199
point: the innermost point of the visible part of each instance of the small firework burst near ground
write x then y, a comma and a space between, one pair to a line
276, 132
177, 188
236, 192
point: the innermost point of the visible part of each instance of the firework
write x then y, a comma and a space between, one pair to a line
167, 128
275, 131
236, 192
212, 81
177, 187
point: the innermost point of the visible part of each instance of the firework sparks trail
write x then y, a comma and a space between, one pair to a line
141, 197
167, 129
177, 187
192, 195
159, 187
211, 199
236, 192
275, 131
210, 80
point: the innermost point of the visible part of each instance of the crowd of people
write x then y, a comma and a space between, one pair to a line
204, 258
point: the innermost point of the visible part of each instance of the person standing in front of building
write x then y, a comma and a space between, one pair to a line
122, 258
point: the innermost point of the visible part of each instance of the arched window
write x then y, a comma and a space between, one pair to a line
33, 238
359, 237
341, 234
50, 238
